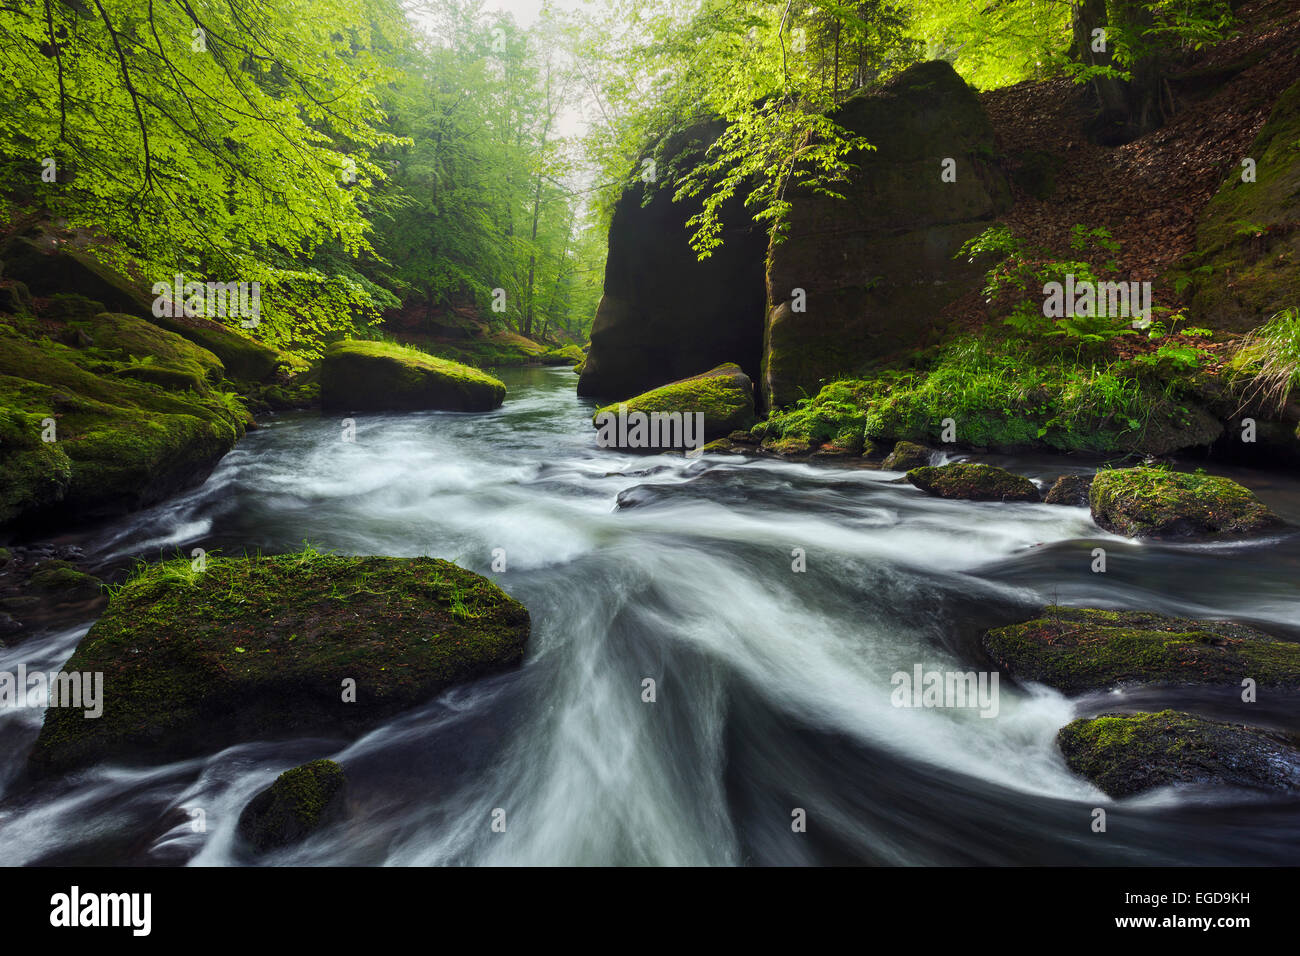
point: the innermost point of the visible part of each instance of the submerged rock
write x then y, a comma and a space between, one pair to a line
973, 482
300, 802
378, 376
1125, 754
1140, 502
724, 395
1083, 649
1070, 490
906, 456
273, 647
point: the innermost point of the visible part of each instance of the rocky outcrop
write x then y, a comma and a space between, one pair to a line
300, 802
309, 644
876, 268
1070, 491
48, 270
906, 456
665, 314
1157, 502
1086, 649
1246, 265
1124, 754
973, 482
724, 396
361, 376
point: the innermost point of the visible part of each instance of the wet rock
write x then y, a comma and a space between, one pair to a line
275, 647
724, 395
1140, 502
973, 482
1124, 754
300, 802
1070, 490
1085, 649
906, 456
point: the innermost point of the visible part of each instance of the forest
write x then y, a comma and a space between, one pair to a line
649, 433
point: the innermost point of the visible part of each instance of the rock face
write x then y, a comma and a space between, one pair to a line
266, 647
1084, 649
300, 802
47, 271
1125, 754
1070, 490
665, 314
1246, 264
724, 395
877, 267
377, 376
1140, 502
973, 482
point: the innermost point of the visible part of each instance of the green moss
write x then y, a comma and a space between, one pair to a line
120, 443
973, 482
124, 337
565, 355
1125, 754
259, 647
724, 395
834, 419
1157, 501
59, 577
375, 376
905, 456
1083, 649
299, 802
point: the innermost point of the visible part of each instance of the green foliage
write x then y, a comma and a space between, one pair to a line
1268, 361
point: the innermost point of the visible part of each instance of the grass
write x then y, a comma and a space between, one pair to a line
1269, 362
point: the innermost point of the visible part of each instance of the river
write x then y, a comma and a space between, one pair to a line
772, 686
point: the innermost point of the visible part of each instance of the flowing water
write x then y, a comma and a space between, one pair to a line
772, 686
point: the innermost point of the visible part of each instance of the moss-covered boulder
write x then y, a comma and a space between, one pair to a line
300, 802
1246, 264
162, 357
365, 376
830, 424
724, 395
1070, 490
79, 440
62, 581
1140, 502
865, 277
1084, 649
273, 647
565, 355
906, 456
1124, 754
973, 482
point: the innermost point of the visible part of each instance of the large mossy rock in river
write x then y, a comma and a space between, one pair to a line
973, 482
665, 314
48, 270
724, 395
300, 802
861, 278
1124, 754
1086, 649
364, 376
93, 432
266, 647
1246, 264
1140, 502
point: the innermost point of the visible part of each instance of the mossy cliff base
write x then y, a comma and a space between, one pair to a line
364, 376
300, 802
1125, 754
1085, 649
271, 647
1140, 502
